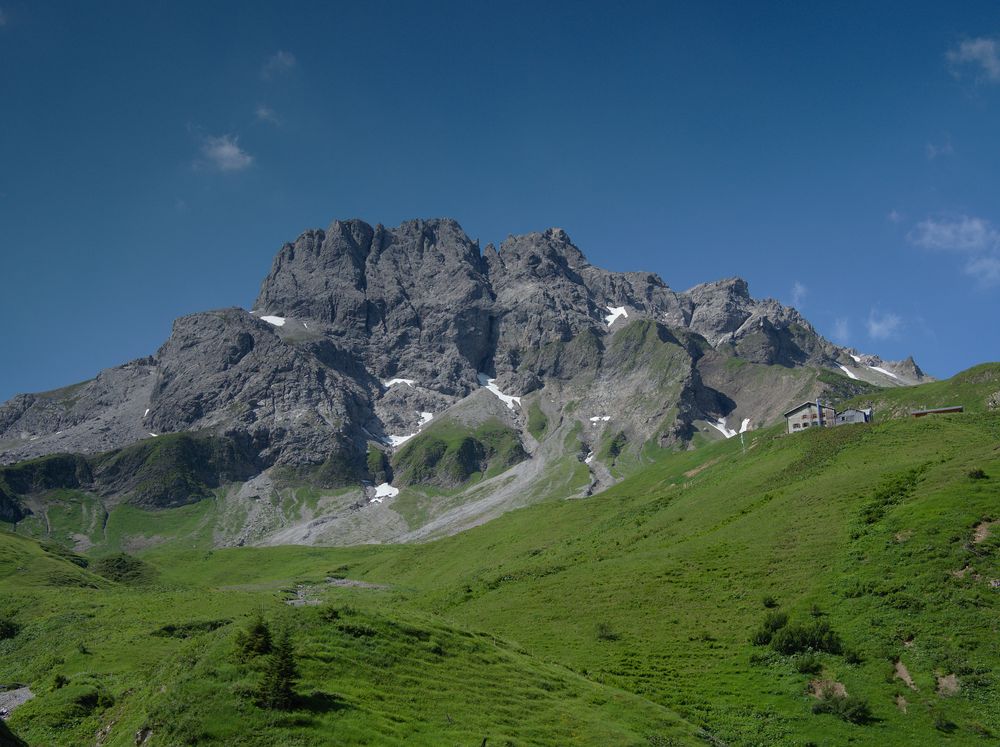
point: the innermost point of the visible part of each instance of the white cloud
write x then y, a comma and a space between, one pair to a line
224, 153
799, 293
841, 330
894, 216
266, 114
962, 234
882, 326
936, 151
975, 237
985, 269
278, 63
982, 53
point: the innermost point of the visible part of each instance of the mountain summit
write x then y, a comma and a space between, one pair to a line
410, 356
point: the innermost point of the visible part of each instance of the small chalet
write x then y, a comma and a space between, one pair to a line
854, 416
810, 415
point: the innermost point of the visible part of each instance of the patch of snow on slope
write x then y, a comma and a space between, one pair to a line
720, 426
487, 382
616, 311
277, 321
392, 382
883, 371
847, 371
383, 491
857, 358
745, 426
155, 435
597, 418
146, 413
425, 418
589, 459
400, 440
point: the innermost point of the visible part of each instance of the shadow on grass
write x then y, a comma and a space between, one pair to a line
320, 702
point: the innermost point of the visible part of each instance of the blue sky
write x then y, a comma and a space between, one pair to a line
155, 156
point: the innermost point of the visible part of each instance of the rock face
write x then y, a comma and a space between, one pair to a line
359, 334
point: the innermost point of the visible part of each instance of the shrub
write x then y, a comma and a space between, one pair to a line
807, 664
846, 707
8, 628
606, 633
770, 602
852, 657
761, 637
254, 641
977, 474
775, 621
813, 636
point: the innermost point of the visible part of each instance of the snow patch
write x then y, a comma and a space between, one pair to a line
745, 425
589, 459
305, 324
720, 426
392, 382
400, 440
616, 311
600, 418
883, 371
383, 491
154, 435
146, 413
425, 418
490, 384
277, 321
857, 358
847, 371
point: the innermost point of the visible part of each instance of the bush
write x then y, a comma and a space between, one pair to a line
770, 602
807, 664
254, 641
852, 657
846, 707
772, 621
8, 628
977, 474
606, 633
813, 636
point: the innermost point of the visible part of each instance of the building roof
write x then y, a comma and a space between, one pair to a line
808, 404
950, 408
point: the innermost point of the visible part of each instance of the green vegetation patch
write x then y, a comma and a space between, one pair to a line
447, 454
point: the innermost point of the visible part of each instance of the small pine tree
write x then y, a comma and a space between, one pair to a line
280, 674
255, 640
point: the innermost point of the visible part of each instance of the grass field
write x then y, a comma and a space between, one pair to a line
628, 618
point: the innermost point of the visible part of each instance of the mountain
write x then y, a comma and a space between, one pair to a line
422, 384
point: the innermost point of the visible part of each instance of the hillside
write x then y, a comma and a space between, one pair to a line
637, 616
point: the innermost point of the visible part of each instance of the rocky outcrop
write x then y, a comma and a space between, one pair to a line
359, 333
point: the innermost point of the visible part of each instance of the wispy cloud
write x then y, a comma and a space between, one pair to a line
224, 153
936, 151
894, 216
986, 269
982, 54
976, 238
3, 18
841, 330
882, 326
265, 113
799, 293
961, 234
278, 63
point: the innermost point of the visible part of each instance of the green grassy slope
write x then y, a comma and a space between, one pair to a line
627, 618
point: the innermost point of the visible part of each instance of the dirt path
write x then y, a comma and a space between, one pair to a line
981, 531
904, 674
